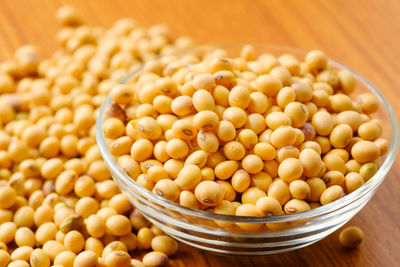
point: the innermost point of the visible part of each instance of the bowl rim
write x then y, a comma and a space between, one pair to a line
336, 205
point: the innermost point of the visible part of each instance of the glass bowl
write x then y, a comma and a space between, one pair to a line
218, 233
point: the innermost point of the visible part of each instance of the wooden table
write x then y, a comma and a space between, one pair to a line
364, 35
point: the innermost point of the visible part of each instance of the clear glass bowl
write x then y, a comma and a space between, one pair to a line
218, 233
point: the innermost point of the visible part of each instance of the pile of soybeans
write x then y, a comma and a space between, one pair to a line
58, 203
251, 135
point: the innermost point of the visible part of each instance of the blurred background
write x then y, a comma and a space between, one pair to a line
361, 34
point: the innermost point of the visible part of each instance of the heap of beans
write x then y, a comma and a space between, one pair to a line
58, 203
248, 136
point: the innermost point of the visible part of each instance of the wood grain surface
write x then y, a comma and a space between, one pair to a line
364, 35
